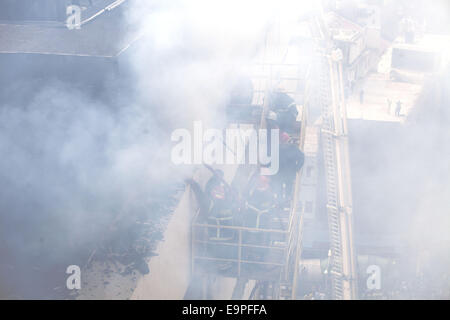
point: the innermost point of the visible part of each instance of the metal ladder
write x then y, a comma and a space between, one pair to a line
343, 264
329, 86
329, 157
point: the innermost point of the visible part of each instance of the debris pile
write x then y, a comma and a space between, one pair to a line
132, 237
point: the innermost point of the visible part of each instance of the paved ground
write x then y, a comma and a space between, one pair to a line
377, 90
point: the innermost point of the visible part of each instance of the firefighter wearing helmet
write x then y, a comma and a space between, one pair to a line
220, 210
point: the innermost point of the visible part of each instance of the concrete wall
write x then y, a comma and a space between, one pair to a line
170, 270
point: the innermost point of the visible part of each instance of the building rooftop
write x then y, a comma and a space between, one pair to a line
378, 90
102, 35
426, 43
342, 28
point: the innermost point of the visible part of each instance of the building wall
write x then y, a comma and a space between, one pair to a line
356, 48
170, 271
33, 10
373, 38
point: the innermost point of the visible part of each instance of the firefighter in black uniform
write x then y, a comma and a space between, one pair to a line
260, 206
291, 161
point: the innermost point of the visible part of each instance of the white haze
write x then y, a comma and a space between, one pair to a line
70, 163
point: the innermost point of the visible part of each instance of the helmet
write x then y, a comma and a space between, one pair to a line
262, 183
284, 137
272, 116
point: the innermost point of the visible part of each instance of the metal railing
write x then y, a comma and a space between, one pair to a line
249, 247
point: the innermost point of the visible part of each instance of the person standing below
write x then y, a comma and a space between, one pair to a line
398, 109
361, 96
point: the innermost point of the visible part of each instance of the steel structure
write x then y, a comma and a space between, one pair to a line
277, 276
343, 268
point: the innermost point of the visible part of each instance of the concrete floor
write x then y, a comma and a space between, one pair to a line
377, 90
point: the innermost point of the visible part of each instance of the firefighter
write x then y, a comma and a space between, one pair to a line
287, 118
280, 101
220, 206
260, 196
286, 111
291, 161
216, 191
220, 214
272, 120
259, 212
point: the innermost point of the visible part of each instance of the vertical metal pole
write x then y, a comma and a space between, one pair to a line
348, 212
297, 256
192, 251
299, 223
239, 253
